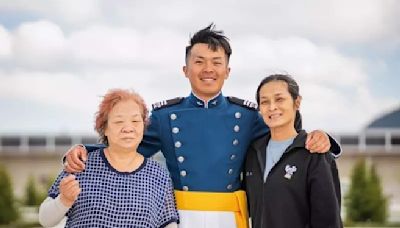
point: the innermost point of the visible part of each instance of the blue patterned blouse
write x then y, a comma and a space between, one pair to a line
109, 198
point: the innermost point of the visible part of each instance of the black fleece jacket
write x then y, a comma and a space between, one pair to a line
301, 190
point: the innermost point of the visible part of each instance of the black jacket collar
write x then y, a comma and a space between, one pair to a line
260, 145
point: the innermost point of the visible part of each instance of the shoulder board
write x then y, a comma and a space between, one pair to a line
243, 103
166, 103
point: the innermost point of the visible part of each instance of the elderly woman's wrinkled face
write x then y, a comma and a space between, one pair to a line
125, 125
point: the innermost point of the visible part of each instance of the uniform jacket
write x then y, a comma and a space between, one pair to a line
204, 143
301, 190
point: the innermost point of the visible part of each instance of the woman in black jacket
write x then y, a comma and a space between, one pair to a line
286, 185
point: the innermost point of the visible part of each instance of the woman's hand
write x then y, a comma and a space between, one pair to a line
69, 190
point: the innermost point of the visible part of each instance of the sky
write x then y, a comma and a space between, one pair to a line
57, 58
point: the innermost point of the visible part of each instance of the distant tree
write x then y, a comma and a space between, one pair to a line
47, 182
355, 199
377, 201
33, 196
365, 201
8, 210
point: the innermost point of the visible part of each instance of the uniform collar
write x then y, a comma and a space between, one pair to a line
213, 102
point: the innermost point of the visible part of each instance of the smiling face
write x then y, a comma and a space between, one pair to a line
125, 125
206, 70
277, 106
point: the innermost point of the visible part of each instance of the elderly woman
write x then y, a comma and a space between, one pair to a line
286, 185
119, 187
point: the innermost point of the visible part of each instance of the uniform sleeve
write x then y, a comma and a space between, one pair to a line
168, 213
88, 147
259, 128
336, 149
324, 205
93, 147
151, 142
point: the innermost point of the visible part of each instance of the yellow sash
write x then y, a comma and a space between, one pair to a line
215, 201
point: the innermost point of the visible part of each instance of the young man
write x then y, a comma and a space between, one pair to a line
204, 138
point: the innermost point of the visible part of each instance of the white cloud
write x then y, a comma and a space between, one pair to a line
121, 46
42, 45
333, 109
125, 46
39, 44
307, 61
348, 21
72, 13
99, 44
5, 43
65, 61
340, 21
76, 12
58, 89
81, 91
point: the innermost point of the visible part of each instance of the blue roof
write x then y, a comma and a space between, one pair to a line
390, 120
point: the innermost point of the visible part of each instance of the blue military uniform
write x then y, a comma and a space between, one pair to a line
204, 143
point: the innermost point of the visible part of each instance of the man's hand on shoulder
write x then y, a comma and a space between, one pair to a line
318, 142
75, 158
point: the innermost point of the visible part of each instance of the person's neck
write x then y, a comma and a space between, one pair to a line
206, 98
121, 152
122, 159
283, 133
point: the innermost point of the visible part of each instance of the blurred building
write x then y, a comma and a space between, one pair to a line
379, 143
